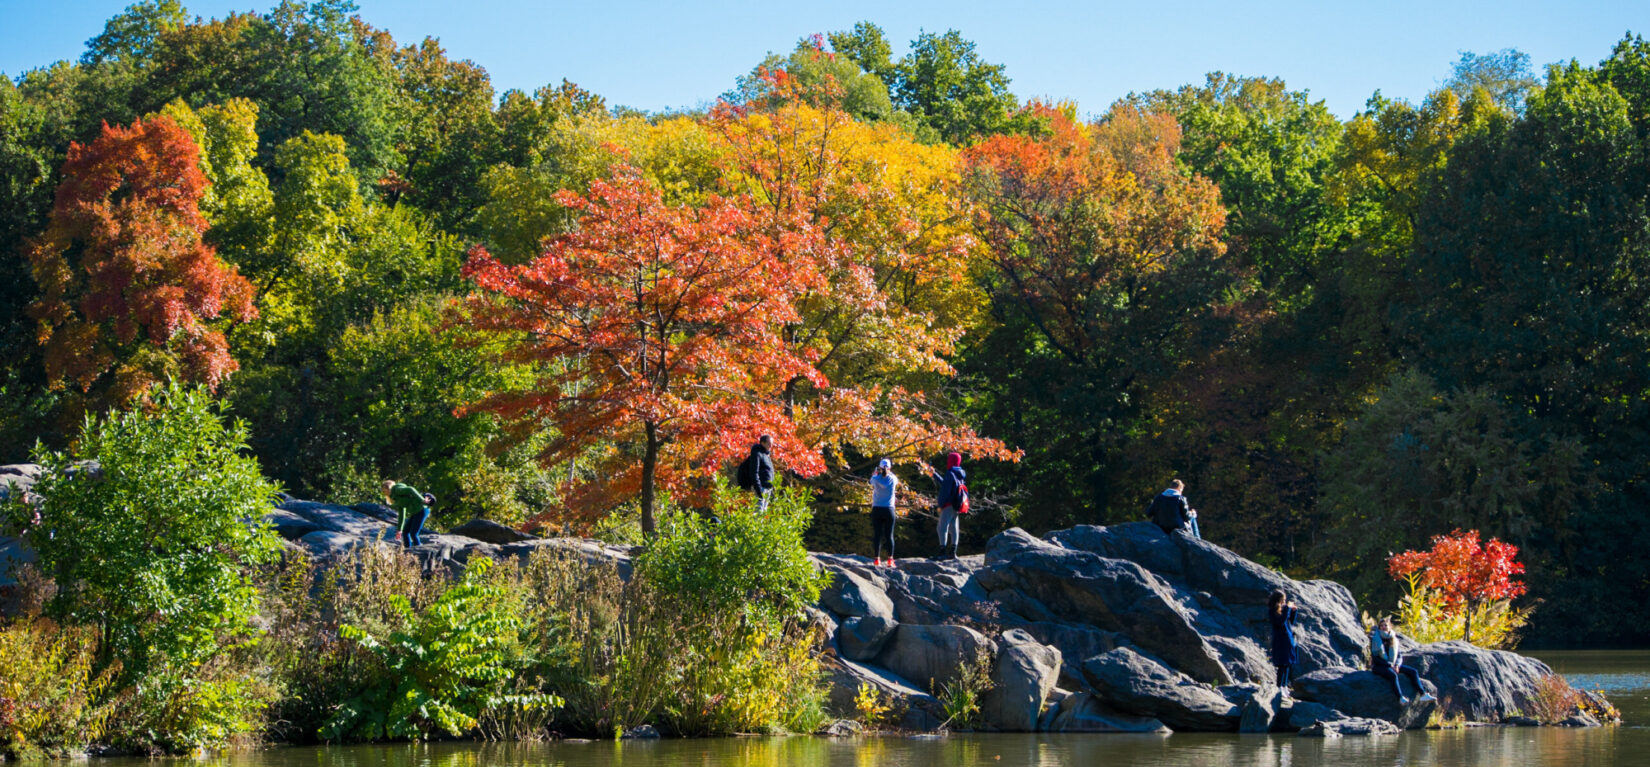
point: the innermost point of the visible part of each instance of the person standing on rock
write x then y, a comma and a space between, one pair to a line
883, 487
1386, 659
1171, 511
952, 500
756, 472
1282, 614
412, 508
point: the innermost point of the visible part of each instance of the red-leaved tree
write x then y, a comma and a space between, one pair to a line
126, 282
1464, 571
658, 329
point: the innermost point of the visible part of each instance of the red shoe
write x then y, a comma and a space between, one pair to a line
891, 563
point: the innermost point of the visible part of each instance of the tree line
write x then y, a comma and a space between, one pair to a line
1346, 335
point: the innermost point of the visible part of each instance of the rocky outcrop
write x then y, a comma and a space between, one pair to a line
1091, 629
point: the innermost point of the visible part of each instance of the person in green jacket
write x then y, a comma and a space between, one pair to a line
411, 508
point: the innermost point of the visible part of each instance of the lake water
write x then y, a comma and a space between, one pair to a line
1623, 676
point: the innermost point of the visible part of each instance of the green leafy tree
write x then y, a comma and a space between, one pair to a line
952, 90
143, 526
823, 78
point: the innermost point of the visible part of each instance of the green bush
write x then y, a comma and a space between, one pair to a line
144, 527
452, 666
734, 588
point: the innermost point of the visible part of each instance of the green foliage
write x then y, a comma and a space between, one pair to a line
449, 667
745, 564
824, 79
52, 697
960, 697
1418, 462
144, 529
1504, 75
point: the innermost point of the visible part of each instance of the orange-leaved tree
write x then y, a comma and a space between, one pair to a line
658, 331
1465, 572
883, 222
126, 282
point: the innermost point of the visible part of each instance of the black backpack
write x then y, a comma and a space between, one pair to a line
747, 473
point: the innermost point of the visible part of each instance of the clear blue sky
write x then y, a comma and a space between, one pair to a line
656, 55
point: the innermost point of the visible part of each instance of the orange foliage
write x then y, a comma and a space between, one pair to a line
126, 281
881, 220
660, 331
1077, 214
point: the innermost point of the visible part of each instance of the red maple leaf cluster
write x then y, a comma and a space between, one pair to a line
1463, 570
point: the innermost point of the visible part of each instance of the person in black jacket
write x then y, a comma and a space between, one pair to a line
1170, 511
1281, 612
760, 468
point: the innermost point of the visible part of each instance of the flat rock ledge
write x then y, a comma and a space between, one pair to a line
1089, 629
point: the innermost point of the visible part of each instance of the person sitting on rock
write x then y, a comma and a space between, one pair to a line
411, 509
1282, 614
1171, 511
1386, 659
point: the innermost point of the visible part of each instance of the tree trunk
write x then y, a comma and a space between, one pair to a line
650, 464
1466, 621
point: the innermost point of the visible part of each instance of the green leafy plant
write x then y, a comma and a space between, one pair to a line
871, 705
52, 697
961, 696
450, 666
1427, 617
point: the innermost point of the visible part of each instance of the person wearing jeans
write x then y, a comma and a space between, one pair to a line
1387, 661
948, 499
411, 510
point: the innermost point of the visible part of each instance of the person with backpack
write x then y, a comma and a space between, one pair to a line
883, 486
952, 500
1171, 511
1386, 659
1281, 612
412, 508
756, 472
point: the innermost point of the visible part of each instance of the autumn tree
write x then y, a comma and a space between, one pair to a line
1465, 571
126, 281
882, 219
658, 330
1104, 273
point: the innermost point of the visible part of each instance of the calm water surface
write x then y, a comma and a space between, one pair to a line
1624, 676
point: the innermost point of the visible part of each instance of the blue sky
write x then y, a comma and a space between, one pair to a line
678, 54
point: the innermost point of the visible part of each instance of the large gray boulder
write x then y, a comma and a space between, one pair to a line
1083, 712
489, 531
289, 525
1135, 684
1021, 681
1327, 627
338, 519
862, 638
932, 656
1362, 694
1304, 713
1261, 711
1483, 685
908, 707
852, 596
1111, 594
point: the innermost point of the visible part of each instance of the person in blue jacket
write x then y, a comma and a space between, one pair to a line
1281, 612
949, 489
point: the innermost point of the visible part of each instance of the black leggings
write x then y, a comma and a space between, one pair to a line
1387, 672
1283, 675
882, 530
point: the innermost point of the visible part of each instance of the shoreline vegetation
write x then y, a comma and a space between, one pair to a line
292, 621
283, 255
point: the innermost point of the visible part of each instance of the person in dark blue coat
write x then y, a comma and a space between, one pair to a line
1282, 614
